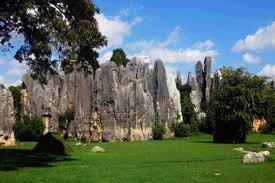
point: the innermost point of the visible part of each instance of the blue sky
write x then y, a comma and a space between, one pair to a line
180, 32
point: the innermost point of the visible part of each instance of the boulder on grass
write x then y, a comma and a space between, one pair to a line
268, 145
97, 149
52, 143
256, 157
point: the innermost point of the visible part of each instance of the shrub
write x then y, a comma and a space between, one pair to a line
64, 118
52, 143
182, 130
29, 128
207, 124
158, 132
194, 127
265, 129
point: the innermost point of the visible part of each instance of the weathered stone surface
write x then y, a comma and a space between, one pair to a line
174, 95
256, 157
115, 103
97, 149
268, 145
6, 117
201, 84
42, 99
207, 78
196, 93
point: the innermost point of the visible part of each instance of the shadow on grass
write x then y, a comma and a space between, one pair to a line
192, 161
14, 159
211, 142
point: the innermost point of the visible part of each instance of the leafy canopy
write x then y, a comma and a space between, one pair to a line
119, 57
240, 98
52, 31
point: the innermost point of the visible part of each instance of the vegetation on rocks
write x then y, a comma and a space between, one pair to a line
29, 128
52, 143
158, 132
119, 57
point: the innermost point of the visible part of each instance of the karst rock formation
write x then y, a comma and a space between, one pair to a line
6, 117
201, 84
112, 103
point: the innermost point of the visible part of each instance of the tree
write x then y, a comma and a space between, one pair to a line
119, 57
16, 94
240, 98
187, 107
59, 29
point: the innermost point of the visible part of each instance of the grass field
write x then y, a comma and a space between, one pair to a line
173, 160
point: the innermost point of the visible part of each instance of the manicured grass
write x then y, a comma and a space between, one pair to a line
173, 160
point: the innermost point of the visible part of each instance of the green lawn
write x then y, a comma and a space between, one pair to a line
174, 160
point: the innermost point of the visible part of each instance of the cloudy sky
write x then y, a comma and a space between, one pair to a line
181, 32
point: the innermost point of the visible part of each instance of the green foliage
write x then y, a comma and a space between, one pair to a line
16, 94
119, 57
240, 99
60, 27
64, 118
182, 130
207, 124
270, 116
187, 107
52, 143
29, 128
158, 132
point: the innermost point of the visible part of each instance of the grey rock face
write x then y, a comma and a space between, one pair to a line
201, 84
6, 117
117, 103
207, 78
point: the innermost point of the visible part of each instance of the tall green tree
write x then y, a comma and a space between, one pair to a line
119, 57
187, 108
65, 30
240, 98
16, 94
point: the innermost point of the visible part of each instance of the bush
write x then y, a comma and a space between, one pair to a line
182, 130
52, 143
265, 129
230, 132
65, 117
29, 128
194, 127
158, 132
207, 124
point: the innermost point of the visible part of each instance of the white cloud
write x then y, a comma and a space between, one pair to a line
264, 38
206, 45
268, 70
173, 37
171, 71
251, 59
1, 62
2, 79
160, 50
17, 69
115, 29
105, 57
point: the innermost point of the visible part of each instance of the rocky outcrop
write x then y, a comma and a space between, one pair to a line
200, 84
6, 117
114, 103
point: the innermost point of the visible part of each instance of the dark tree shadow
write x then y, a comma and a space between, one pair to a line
14, 159
211, 142
193, 161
